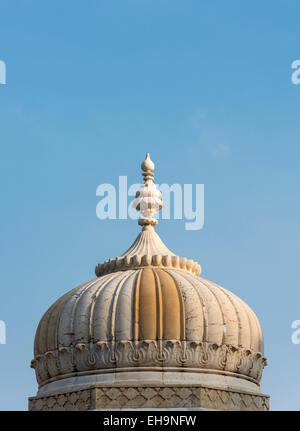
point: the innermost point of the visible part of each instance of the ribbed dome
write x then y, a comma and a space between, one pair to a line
148, 304
148, 310
148, 313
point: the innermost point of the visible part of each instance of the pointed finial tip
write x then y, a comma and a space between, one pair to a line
147, 164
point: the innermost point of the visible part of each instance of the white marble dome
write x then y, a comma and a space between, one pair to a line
91, 326
148, 311
149, 316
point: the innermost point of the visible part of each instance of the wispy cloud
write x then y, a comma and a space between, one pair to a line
209, 139
198, 119
220, 150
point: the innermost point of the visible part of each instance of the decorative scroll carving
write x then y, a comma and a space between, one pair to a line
148, 353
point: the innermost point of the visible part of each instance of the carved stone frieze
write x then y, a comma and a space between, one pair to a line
148, 353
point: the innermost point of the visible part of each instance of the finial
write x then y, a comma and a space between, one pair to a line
147, 164
148, 198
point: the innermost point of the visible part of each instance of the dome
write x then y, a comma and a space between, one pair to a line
148, 315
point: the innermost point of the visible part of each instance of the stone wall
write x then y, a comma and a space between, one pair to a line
185, 397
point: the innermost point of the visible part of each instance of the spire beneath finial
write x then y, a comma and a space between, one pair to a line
148, 249
148, 198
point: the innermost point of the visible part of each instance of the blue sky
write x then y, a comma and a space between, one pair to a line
206, 88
